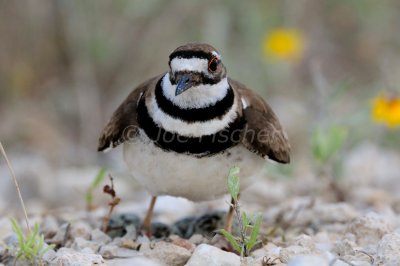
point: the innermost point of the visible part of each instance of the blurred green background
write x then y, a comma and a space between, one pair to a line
66, 65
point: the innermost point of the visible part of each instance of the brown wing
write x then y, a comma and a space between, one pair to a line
123, 123
264, 134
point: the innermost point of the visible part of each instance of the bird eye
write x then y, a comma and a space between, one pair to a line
213, 64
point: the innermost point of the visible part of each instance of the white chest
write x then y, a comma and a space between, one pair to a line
181, 175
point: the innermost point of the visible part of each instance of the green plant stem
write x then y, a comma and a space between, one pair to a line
236, 207
17, 186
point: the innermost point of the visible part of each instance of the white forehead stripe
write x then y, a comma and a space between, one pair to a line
217, 55
189, 64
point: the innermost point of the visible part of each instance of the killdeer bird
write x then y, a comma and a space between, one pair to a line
184, 129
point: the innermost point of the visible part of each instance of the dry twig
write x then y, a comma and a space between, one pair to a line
16, 185
112, 203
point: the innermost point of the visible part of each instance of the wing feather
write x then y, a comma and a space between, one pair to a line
123, 123
263, 134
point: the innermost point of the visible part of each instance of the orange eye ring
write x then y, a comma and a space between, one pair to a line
213, 64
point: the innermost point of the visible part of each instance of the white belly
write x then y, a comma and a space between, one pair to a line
180, 175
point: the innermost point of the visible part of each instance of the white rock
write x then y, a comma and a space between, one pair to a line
270, 250
288, 253
197, 239
308, 260
131, 232
305, 241
167, 253
99, 236
113, 251
81, 243
211, 256
344, 247
369, 229
335, 212
388, 252
136, 261
49, 226
70, 257
60, 236
80, 229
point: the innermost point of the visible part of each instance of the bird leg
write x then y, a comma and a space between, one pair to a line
149, 216
229, 217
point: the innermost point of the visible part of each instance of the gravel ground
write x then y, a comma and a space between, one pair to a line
307, 221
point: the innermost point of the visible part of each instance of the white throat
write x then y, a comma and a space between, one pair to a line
197, 96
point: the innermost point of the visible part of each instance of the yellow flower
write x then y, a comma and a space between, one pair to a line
284, 44
386, 110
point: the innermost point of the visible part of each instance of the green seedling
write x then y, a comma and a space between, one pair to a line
32, 246
249, 226
326, 143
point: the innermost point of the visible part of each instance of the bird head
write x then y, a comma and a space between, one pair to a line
195, 64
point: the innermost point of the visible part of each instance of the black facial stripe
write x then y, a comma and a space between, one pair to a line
194, 114
198, 146
203, 78
191, 54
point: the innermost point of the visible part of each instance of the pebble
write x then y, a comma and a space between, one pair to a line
131, 232
60, 235
197, 239
81, 243
288, 253
309, 260
80, 229
369, 229
70, 257
49, 226
165, 252
182, 243
136, 261
211, 256
388, 252
99, 236
113, 251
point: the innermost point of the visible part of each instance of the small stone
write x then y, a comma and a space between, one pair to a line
211, 256
388, 250
80, 229
113, 251
208, 223
308, 260
136, 261
70, 257
81, 243
270, 250
182, 243
369, 229
167, 253
184, 227
49, 255
60, 235
197, 239
305, 241
344, 247
119, 222
128, 243
131, 232
49, 226
99, 236
286, 254
335, 212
